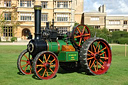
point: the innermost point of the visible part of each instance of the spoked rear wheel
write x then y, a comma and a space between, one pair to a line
45, 65
95, 56
24, 63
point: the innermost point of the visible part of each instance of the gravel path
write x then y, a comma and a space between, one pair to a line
25, 43
13, 43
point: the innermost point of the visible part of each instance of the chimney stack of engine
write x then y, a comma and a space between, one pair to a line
37, 10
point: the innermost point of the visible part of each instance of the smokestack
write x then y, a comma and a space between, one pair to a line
37, 9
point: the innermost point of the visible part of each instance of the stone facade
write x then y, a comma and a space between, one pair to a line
100, 19
64, 12
117, 23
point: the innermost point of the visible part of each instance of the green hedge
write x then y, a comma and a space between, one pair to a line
120, 37
119, 34
122, 40
102, 33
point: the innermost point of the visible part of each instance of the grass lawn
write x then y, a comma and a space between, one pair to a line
9, 74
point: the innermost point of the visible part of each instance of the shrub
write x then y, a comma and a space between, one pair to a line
119, 37
104, 36
102, 33
13, 39
123, 40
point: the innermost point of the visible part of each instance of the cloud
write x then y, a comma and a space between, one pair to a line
112, 6
123, 7
96, 5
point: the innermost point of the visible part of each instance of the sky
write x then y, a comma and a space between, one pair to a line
113, 7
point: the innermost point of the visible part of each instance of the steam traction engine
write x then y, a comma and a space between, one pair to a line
71, 52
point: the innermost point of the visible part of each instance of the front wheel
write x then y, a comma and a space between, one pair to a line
45, 65
24, 63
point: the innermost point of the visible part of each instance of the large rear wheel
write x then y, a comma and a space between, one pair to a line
95, 56
45, 65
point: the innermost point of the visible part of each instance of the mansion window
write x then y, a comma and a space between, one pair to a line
117, 29
62, 17
7, 16
125, 30
44, 17
95, 18
125, 22
44, 4
97, 27
25, 17
114, 22
111, 30
63, 30
7, 31
62, 4
7, 3
25, 3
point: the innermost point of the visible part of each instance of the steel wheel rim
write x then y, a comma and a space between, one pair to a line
81, 34
26, 65
48, 72
99, 65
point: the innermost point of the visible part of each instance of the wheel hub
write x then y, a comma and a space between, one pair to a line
46, 65
28, 62
97, 56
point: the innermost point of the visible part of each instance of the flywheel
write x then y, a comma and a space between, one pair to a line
79, 35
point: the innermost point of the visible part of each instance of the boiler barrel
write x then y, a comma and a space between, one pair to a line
55, 46
37, 46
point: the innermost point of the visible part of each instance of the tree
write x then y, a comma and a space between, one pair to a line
102, 33
2, 23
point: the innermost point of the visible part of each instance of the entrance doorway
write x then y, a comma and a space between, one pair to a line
25, 33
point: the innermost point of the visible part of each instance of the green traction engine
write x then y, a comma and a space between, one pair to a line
50, 50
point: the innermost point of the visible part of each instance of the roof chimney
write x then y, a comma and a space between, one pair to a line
103, 8
100, 9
